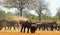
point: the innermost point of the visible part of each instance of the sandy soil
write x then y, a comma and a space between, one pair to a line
15, 32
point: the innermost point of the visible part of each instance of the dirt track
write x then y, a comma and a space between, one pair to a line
12, 32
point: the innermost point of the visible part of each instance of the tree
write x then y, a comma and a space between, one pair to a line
42, 6
19, 4
2, 14
38, 6
58, 12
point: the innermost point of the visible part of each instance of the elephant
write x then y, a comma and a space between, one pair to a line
12, 23
39, 25
45, 25
33, 27
58, 27
27, 24
52, 25
3, 23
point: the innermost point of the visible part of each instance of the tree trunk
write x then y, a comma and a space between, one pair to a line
39, 16
21, 7
21, 12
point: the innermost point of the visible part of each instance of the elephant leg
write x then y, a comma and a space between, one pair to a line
47, 29
24, 29
51, 28
58, 29
27, 30
5, 28
39, 28
18, 27
55, 28
33, 29
14, 28
21, 28
44, 29
10, 27
1, 28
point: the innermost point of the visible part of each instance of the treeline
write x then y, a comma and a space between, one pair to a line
5, 15
10, 15
44, 17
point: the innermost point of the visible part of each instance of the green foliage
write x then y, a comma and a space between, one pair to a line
33, 17
9, 15
44, 17
2, 14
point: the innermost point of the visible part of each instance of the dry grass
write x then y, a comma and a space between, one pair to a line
19, 18
12, 32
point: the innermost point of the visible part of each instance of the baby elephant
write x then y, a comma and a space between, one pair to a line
33, 27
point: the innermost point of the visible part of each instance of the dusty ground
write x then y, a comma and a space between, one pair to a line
16, 32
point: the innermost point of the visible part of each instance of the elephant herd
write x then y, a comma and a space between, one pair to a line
30, 25
8, 23
53, 25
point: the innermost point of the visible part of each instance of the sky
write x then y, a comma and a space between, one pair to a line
8, 10
53, 6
